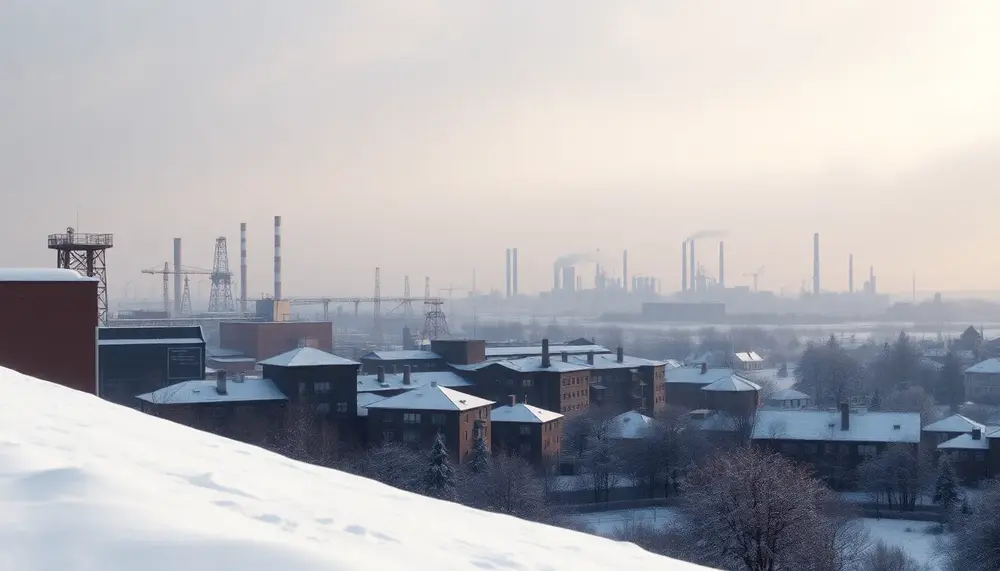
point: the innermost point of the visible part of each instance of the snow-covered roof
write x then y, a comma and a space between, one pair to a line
748, 357
965, 442
42, 275
987, 367
183, 341
307, 357
524, 413
788, 394
432, 397
693, 375
672, 364
514, 352
405, 355
954, 423
203, 392
610, 361
394, 381
242, 506
365, 399
732, 384
630, 425
526, 365
821, 425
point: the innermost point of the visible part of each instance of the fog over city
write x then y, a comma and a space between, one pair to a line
425, 138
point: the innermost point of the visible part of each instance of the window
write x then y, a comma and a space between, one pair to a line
525, 430
867, 450
528, 383
323, 408
387, 435
411, 418
341, 407
437, 419
411, 436
321, 387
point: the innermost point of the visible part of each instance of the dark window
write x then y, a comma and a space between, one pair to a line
525, 429
387, 435
438, 419
322, 387
411, 436
341, 407
411, 418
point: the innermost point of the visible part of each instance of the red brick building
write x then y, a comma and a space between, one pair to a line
265, 339
533, 433
49, 326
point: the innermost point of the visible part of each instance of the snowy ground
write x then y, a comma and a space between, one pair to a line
911, 536
88, 485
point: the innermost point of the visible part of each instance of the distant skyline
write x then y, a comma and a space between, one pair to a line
427, 137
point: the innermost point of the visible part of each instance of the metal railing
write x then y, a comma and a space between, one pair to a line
77, 239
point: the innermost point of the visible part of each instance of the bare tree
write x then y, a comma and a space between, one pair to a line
897, 477
975, 542
828, 373
749, 510
602, 465
885, 558
509, 486
391, 463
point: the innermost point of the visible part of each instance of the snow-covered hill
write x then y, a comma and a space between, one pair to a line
87, 485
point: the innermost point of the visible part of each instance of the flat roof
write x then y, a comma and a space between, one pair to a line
30, 275
181, 341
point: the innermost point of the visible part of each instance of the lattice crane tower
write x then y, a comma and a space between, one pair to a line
221, 298
86, 253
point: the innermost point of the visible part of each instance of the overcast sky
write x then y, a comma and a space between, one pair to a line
426, 137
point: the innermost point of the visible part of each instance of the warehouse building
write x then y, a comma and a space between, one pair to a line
138, 360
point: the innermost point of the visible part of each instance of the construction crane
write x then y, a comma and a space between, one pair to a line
756, 277
167, 272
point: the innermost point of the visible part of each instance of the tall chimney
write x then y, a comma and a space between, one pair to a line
220, 382
177, 276
625, 270
507, 274
845, 416
277, 258
684, 265
513, 274
621, 355
243, 267
380, 374
513, 399
850, 273
722, 264
816, 263
546, 363
407, 369
555, 277
694, 268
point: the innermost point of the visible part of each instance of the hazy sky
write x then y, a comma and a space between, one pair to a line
426, 137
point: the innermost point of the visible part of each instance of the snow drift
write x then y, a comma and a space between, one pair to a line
85, 484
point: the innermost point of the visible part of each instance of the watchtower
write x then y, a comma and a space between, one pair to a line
85, 253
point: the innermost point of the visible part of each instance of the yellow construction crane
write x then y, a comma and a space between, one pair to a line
167, 272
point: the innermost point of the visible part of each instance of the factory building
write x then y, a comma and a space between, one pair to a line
50, 325
262, 340
139, 360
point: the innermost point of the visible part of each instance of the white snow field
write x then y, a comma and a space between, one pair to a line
88, 485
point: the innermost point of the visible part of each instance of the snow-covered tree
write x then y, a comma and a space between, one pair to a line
885, 558
439, 480
946, 487
480, 462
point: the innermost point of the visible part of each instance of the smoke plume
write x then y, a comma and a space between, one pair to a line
706, 234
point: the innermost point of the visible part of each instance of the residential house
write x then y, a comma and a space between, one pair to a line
417, 416
834, 443
394, 361
747, 362
945, 429
533, 433
788, 398
982, 381
619, 383
703, 387
970, 454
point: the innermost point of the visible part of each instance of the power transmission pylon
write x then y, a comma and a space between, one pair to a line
407, 306
186, 299
221, 298
377, 306
435, 322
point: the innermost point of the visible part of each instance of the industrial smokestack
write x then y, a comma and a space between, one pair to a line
569, 278
850, 273
555, 277
625, 270
513, 278
816, 263
722, 264
277, 257
684, 265
177, 276
507, 275
243, 267
871, 280
693, 267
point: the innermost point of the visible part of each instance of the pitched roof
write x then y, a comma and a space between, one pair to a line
365, 399
821, 425
526, 365
432, 397
732, 384
954, 423
965, 442
788, 394
524, 413
201, 392
988, 367
630, 425
610, 361
693, 375
748, 357
307, 357
394, 381
536, 351
407, 355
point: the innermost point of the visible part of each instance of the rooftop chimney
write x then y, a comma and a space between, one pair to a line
177, 276
621, 355
277, 258
243, 267
704, 368
380, 374
977, 433
434, 383
565, 357
513, 273
722, 264
513, 400
524, 399
845, 416
220, 382
242, 377
545, 354
684, 265
406, 374
507, 275
816, 263
590, 358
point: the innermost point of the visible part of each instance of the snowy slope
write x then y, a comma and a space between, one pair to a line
87, 485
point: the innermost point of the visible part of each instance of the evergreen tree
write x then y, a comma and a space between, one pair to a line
952, 382
946, 488
480, 462
439, 481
